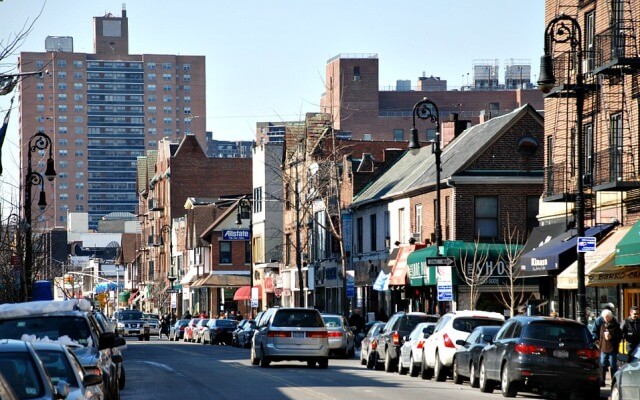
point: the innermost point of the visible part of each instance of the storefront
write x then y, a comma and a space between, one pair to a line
628, 260
482, 273
400, 292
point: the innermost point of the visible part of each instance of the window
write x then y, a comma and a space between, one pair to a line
373, 227
151, 65
167, 120
187, 110
77, 86
78, 108
62, 142
225, 252
616, 150
78, 142
247, 252
152, 131
40, 86
186, 78
486, 217
62, 63
40, 108
167, 110
401, 232
166, 99
77, 119
186, 67
387, 229
588, 151
166, 77
62, 75
78, 130
151, 77
77, 64
151, 109
186, 88
359, 234
39, 64
398, 135
166, 88
77, 75
62, 96
62, 153
62, 86
40, 97
151, 88
356, 73
257, 199
152, 120
166, 66
418, 221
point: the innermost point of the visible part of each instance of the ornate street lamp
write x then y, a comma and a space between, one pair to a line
428, 110
564, 29
171, 277
39, 141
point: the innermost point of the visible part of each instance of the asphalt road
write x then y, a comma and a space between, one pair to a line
160, 369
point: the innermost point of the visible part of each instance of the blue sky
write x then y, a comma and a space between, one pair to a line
266, 59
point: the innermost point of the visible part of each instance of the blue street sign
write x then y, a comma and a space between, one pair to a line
586, 244
236, 234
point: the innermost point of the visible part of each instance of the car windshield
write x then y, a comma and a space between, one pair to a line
332, 322
554, 331
297, 318
467, 324
20, 371
57, 365
410, 321
64, 329
128, 316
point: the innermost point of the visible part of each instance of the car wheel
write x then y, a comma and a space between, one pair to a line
425, 371
413, 370
615, 392
473, 378
388, 365
323, 363
147, 338
457, 378
264, 360
122, 378
508, 387
311, 363
485, 385
254, 359
439, 370
401, 370
371, 362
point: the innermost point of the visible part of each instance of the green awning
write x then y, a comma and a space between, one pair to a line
462, 252
628, 249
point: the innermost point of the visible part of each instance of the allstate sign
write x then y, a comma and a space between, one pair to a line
236, 234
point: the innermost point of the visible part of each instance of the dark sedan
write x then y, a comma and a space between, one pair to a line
245, 335
465, 361
541, 355
176, 331
218, 331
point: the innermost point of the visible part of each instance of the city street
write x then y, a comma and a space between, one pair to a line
169, 370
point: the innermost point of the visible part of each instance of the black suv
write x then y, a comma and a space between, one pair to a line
392, 336
541, 355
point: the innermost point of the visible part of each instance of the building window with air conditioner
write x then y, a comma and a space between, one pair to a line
417, 232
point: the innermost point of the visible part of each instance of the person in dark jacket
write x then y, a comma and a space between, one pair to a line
609, 338
631, 330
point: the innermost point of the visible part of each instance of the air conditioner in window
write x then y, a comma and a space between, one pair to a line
417, 236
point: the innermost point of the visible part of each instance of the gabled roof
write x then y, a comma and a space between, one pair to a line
414, 172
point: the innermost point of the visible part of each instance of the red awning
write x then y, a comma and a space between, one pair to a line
244, 293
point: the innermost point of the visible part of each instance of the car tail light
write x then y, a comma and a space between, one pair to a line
396, 338
374, 345
588, 353
181, 328
420, 344
529, 349
278, 334
448, 342
317, 335
93, 370
335, 334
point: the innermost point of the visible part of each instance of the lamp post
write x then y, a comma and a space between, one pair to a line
428, 110
564, 29
245, 202
39, 141
167, 229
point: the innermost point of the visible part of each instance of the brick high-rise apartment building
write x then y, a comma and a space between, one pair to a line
102, 110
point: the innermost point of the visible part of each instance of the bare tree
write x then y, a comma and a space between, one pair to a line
475, 271
511, 294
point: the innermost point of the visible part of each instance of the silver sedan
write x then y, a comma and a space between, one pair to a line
341, 336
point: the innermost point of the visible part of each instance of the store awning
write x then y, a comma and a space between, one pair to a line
189, 277
399, 273
244, 293
607, 274
559, 252
594, 260
223, 280
628, 249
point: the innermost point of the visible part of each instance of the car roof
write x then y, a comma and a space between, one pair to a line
43, 307
39, 345
534, 318
331, 315
476, 313
13, 345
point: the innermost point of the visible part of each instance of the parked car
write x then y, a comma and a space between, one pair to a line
626, 382
120, 345
176, 331
290, 334
26, 374
70, 322
198, 329
341, 337
441, 346
246, 334
392, 336
154, 327
541, 354
188, 330
369, 343
218, 331
361, 335
234, 334
63, 366
465, 360
411, 350
132, 323
6, 393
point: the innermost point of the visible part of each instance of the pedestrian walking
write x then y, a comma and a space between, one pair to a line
609, 337
166, 323
631, 330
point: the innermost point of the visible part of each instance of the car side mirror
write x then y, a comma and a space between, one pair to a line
106, 340
92, 380
461, 342
116, 358
62, 389
120, 341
